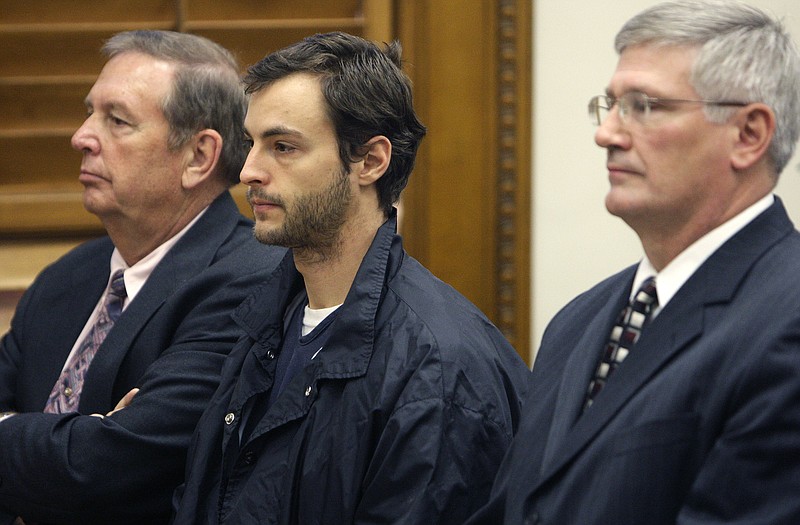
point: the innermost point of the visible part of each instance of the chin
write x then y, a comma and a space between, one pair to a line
620, 205
94, 206
612, 200
266, 235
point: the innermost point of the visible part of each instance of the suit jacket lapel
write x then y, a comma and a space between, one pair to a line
188, 258
666, 336
678, 324
578, 371
71, 308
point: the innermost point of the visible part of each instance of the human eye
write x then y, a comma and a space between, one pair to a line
247, 143
638, 103
116, 121
282, 147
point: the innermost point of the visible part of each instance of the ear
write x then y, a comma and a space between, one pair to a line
756, 127
375, 160
206, 147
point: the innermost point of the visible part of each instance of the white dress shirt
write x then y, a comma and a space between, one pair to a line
670, 279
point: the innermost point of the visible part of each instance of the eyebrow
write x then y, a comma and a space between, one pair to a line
108, 106
276, 130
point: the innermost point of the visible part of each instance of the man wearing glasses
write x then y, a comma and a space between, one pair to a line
670, 392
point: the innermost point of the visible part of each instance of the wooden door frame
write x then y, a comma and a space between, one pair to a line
466, 212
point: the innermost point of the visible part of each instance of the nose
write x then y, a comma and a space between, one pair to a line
612, 133
85, 139
251, 174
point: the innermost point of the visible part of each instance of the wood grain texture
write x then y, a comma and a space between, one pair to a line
466, 212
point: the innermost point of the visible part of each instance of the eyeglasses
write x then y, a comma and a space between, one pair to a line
639, 106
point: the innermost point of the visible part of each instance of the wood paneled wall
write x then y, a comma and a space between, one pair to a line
467, 207
49, 59
466, 212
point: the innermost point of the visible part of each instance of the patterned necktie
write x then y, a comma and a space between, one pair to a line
67, 390
624, 334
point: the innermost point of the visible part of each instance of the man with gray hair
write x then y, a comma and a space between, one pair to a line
147, 307
670, 392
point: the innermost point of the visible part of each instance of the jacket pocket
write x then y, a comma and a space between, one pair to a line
649, 470
657, 434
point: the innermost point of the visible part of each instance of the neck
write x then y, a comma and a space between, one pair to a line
663, 244
328, 277
136, 237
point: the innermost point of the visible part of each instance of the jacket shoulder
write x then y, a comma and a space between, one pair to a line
452, 339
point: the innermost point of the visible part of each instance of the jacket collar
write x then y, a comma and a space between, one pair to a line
349, 349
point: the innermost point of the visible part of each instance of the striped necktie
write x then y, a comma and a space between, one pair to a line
624, 334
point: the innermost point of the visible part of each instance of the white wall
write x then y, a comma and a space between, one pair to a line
575, 242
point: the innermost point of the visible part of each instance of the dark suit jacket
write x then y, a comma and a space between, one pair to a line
170, 341
701, 422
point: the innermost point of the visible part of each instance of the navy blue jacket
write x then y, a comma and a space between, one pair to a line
701, 422
170, 341
403, 417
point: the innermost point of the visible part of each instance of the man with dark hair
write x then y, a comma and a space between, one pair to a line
146, 307
670, 392
364, 389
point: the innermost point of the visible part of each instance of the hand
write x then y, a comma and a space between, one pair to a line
123, 403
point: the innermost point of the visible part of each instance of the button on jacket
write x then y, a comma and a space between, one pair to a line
403, 416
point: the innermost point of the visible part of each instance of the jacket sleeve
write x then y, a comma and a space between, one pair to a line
80, 468
9, 363
752, 471
434, 463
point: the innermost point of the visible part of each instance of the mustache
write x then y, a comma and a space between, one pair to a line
616, 159
263, 197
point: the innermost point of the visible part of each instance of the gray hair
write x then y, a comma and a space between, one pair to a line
206, 93
744, 55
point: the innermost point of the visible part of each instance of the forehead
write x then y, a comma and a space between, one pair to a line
655, 70
295, 101
135, 80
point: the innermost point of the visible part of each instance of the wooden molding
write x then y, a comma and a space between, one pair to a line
466, 212
41, 92
514, 172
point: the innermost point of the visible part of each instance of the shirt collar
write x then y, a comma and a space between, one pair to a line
670, 279
137, 275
